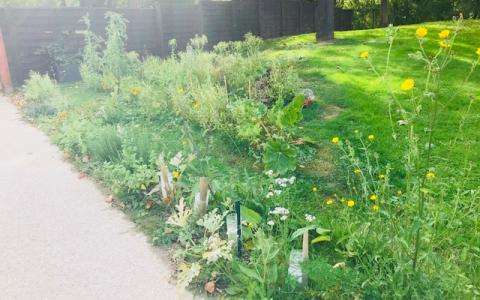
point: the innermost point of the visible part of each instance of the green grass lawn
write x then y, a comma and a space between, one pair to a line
375, 247
341, 78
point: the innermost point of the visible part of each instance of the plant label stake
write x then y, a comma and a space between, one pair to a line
239, 229
165, 182
232, 228
297, 257
200, 204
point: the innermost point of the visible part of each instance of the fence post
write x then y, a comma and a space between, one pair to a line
159, 26
4, 69
324, 20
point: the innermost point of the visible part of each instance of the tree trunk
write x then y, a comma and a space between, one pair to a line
324, 20
384, 13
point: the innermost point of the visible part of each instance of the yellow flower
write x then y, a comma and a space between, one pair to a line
407, 85
421, 32
314, 189
430, 175
364, 54
444, 34
175, 174
444, 45
373, 197
335, 140
143, 187
381, 177
478, 51
350, 203
329, 201
135, 91
196, 104
357, 171
371, 137
375, 208
399, 193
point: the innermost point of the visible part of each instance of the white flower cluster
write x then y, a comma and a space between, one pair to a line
309, 218
283, 182
280, 211
271, 223
274, 193
269, 173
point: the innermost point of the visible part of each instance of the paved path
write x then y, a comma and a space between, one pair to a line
58, 237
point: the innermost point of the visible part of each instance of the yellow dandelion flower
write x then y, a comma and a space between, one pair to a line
444, 34
357, 171
143, 187
314, 189
364, 54
196, 104
135, 91
399, 192
381, 176
407, 85
175, 174
430, 175
478, 52
350, 203
421, 32
371, 137
373, 197
375, 208
335, 140
329, 201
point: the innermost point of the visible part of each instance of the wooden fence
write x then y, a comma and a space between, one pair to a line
32, 35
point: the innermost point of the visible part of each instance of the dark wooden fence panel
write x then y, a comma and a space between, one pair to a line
270, 18
28, 32
245, 18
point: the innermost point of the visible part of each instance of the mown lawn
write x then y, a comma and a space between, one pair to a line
342, 79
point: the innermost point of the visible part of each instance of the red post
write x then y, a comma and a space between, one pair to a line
4, 70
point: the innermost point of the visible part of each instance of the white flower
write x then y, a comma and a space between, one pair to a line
292, 179
270, 194
271, 223
309, 218
277, 192
281, 211
283, 218
269, 173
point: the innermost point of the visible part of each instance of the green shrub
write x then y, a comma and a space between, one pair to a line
40, 89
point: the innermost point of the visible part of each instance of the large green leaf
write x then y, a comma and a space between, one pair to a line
280, 156
292, 113
250, 216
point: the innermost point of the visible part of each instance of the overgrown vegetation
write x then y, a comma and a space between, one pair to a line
385, 195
